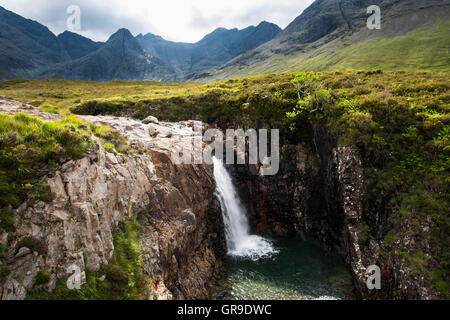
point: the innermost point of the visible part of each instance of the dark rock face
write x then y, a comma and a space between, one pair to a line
320, 193
326, 16
26, 46
121, 57
194, 266
77, 46
215, 49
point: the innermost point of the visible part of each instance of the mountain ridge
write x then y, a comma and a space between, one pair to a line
320, 38
26, 45
216, 48
76, 45
30, 50
328, 35
120, 58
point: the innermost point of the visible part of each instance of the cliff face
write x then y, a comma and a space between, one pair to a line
181, 226
321, 193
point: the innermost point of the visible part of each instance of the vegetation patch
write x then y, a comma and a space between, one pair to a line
4, 272
121, 279
32, 244
42, 277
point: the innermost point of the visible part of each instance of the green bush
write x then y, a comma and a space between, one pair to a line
42, 277
3, 251
4, 272
32, 244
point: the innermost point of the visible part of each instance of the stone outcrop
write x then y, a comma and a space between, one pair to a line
182, 245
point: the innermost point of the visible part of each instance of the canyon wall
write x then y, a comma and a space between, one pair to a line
321, 194
181, 235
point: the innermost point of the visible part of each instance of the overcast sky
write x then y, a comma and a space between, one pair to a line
177, 20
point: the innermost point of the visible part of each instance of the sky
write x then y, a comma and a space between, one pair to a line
176, 20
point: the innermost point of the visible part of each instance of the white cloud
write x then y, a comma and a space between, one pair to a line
177, 20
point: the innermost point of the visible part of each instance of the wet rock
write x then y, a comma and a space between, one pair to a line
320, 193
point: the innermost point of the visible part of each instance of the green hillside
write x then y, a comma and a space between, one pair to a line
426, 48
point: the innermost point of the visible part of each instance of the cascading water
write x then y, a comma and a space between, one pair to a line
240, 242
295, 270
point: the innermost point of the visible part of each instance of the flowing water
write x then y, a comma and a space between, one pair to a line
279, 268
240, 242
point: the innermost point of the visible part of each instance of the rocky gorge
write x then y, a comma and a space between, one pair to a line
325, 190
321, 193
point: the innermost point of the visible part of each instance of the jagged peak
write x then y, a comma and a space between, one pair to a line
121, 33
149, 35
67, 34
265, 23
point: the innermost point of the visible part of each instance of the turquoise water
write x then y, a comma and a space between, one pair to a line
299, 271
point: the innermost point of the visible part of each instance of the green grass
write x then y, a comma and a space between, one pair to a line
58, 95
426, 48
42, 277
29, 148
46, 107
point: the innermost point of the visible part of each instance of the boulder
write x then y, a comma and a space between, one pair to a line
150, 119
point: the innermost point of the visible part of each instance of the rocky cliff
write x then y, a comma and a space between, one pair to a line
181, 234
321, 193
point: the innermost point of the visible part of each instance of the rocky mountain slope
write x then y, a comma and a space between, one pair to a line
216, 48
29, 50
26, 46
77, 46
331, 35
120, 58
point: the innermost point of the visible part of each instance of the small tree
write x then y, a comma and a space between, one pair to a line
305, 83
311, 96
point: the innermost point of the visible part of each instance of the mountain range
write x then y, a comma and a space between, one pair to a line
30, 50
329, 34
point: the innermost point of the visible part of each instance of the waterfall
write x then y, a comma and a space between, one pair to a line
240, 242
